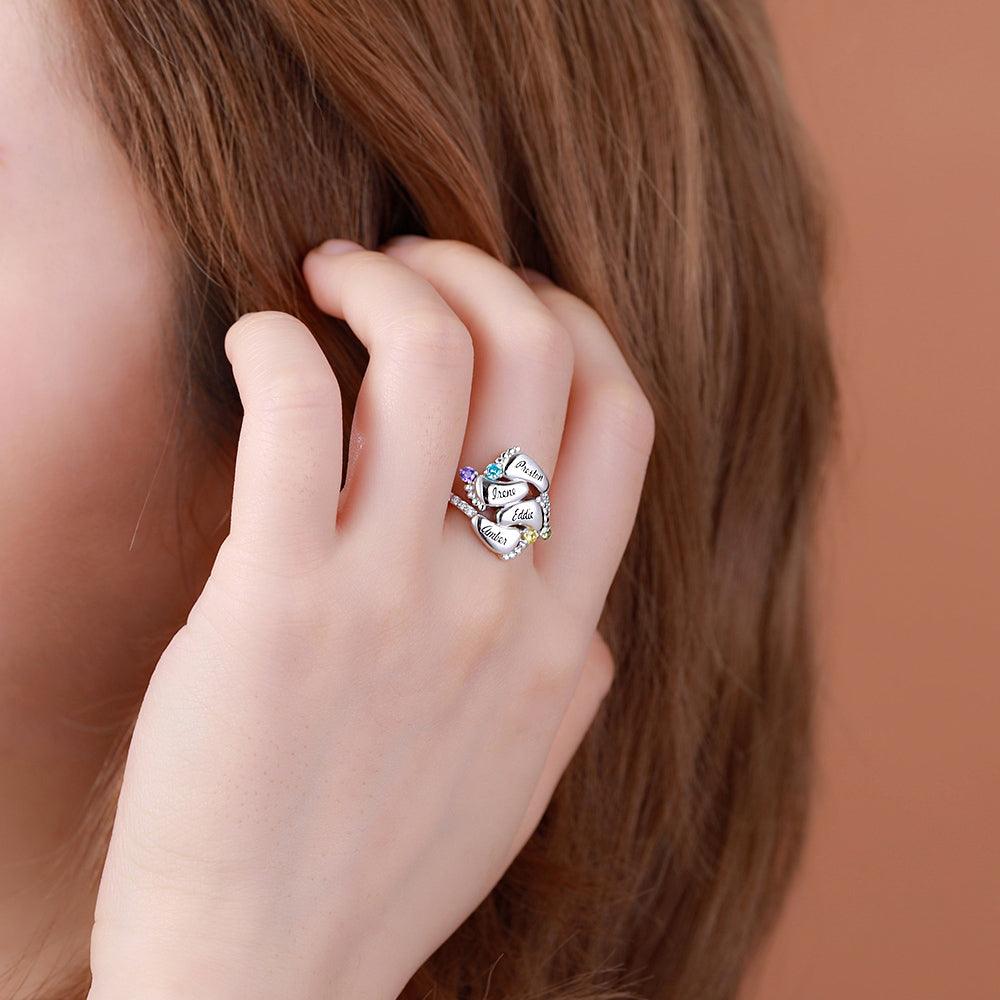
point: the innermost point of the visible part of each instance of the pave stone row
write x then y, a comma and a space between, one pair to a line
464, 507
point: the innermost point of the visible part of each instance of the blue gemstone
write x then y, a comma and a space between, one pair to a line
493, 471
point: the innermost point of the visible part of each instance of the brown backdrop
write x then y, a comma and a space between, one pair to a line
899, 896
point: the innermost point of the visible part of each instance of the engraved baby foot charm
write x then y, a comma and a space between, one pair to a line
506, 483
525, 514
501, 538
524, 468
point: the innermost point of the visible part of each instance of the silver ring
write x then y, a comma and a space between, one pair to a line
515, 484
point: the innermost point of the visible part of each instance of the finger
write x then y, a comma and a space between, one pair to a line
413, 403
610, 426
592, 686
288, 462
524, 359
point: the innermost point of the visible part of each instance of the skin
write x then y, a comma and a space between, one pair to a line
88, 488
336, 757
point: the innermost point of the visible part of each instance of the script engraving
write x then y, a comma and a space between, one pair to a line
502, 494
525, 468
527, 513
501, 538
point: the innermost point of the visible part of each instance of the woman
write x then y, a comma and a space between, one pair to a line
372, 758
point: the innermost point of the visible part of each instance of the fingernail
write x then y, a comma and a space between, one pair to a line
333, 247
403, 240
533, 277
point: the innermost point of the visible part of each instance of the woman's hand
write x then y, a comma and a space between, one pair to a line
366, 713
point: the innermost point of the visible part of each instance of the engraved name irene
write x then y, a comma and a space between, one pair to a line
500, 494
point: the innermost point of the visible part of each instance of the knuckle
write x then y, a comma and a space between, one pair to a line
600, 668
549, 342
259, 570
498, 609
395, 604
448, 251
368, 263
292, 388
362, 259
551, 678
628, 413
553, 668
273, 371
564, 303
435, 335
476, 633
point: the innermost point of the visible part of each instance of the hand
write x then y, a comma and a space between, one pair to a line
366, 713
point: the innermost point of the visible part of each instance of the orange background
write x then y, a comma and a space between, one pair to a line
899, 895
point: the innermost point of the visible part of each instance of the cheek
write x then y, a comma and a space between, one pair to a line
82, 404
85, 410
87, 394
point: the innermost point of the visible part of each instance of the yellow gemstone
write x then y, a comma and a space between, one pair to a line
529, 534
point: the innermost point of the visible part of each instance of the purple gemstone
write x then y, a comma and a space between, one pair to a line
468, 473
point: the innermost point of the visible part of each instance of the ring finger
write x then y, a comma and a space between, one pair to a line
523, 363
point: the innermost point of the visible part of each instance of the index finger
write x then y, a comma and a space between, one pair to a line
413, 403
288, 462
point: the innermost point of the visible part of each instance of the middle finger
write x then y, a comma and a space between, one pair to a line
523, 363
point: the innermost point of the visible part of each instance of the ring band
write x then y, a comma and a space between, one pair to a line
515, 484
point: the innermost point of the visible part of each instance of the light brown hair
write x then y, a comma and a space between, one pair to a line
643, 154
